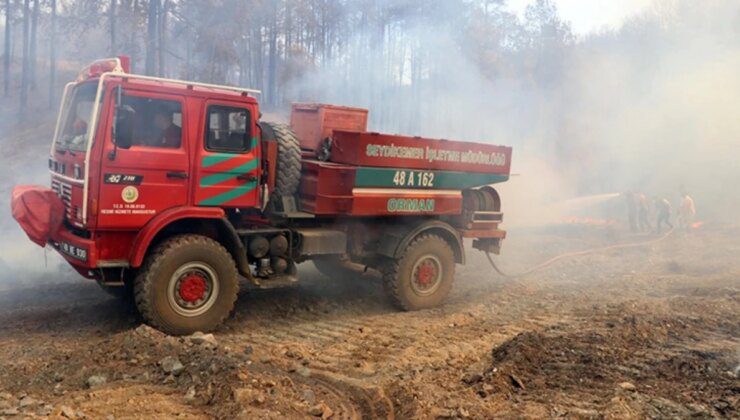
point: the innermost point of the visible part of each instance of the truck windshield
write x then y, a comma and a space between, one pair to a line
76, 116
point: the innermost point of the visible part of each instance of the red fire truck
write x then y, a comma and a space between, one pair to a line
171, 190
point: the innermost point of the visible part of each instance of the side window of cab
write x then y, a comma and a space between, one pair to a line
154, 122
228, 129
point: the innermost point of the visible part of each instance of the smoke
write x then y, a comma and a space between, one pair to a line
661, 105
650, 107
23, 162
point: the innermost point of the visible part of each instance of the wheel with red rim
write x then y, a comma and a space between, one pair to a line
193, 289
423, 276
426, 276
188, 284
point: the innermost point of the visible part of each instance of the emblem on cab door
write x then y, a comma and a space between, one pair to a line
130, 194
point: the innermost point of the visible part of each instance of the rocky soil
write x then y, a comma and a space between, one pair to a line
629, 333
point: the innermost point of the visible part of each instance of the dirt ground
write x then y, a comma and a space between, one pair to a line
630, 333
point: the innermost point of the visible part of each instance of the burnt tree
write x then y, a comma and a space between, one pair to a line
25, 67
53, 54
112, 27
150, 65
33, 44
6, 57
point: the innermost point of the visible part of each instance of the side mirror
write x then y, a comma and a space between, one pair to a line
123, 126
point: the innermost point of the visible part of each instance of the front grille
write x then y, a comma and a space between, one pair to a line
64, 191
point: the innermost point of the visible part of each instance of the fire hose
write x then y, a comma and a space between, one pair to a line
575, 254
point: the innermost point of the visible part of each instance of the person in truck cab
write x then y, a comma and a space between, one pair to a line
82, 114
169, 133
77, 131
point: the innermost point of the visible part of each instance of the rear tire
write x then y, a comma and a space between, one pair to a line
189, 283
423, 276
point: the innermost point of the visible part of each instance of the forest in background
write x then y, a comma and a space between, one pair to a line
624, 108
272, 44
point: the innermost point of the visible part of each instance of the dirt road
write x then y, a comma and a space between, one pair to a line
652, 331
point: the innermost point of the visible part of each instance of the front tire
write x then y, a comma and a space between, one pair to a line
422, 278
189, 283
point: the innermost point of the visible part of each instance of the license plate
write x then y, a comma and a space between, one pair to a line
73, 251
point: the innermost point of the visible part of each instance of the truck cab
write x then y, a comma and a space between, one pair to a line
167, 191
129, 149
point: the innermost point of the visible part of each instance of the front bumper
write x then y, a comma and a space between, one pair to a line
79, 252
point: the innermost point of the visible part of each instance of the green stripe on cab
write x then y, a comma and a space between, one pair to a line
216, 158
210, 180
229, 195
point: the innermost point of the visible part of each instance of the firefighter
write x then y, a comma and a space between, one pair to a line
663, 207
631, 209
170, 134
686, 212
642, 213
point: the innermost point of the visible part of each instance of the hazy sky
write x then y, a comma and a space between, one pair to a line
591, 15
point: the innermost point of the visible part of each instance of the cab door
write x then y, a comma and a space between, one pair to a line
151, 174
228, 158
